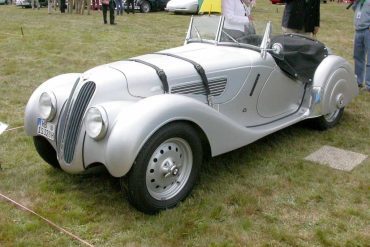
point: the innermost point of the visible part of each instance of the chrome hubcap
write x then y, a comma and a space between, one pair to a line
169, 168
330, 117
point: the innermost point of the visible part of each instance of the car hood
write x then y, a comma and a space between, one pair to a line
217, 61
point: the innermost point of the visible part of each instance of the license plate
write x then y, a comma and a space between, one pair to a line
46, 129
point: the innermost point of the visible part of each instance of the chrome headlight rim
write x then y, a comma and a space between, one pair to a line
92, 114
48, 105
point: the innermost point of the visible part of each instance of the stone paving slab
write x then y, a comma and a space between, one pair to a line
336, 158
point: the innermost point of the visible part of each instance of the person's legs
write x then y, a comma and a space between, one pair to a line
105, 8
132, 6
111, 12
367, 53
117, 6
359, 56
62, 6
120, 6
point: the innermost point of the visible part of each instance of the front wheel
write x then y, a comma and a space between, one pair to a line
145, 7
166, 168
46, 151
329, 120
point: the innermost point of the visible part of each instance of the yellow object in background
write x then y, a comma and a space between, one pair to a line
210, 6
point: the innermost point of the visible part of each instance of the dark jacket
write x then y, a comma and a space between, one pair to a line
299, 14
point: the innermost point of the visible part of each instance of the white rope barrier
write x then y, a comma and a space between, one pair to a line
3, 128
46, 220
15, 128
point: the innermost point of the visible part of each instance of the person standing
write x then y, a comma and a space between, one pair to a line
301, 16
50, 3
62, 6
95, 5
119, 7
108, 4
237, 17
130, 2
35, 5
361, 51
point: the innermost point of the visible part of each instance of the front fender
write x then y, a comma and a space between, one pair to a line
138, 122
61, 86
334, 86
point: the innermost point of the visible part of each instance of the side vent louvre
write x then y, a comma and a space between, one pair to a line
216, 86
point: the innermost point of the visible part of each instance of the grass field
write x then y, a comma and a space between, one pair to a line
264, 194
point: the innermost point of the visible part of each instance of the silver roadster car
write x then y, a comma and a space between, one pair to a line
150, 120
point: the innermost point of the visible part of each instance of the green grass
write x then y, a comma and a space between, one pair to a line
264, 194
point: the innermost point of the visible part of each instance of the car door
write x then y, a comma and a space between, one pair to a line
280, 96
267, 94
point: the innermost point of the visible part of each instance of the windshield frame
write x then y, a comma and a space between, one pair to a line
219, 31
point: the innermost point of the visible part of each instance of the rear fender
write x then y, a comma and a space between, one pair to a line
334, 86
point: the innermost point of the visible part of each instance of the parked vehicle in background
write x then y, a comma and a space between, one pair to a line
145, 6
277, 1
3, 1
182, 6
27, 3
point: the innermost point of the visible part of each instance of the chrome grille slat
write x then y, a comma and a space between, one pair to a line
75, 119
216, 86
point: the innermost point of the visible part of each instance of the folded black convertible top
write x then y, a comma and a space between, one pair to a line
300, 57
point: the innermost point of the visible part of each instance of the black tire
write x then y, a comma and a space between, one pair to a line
329, 120
46, 151
145, 7
166, 169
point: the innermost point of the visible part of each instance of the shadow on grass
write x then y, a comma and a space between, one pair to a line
99, 191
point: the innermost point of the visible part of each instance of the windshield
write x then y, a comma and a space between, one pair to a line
204, 28
217, 29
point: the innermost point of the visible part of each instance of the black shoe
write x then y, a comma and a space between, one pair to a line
360, 85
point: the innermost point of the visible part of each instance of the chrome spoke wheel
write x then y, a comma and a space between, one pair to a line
145, 7
331, 117
169, 168
166, 168
329, 120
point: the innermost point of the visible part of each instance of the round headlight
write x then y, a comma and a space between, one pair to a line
96, 122
47, 105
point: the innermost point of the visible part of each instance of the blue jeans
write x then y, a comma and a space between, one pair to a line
361, 54
119, 7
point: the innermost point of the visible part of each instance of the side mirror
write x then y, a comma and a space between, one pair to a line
277, 48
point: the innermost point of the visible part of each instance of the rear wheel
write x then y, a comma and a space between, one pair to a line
166, 168
329, 120
145, 7
46, 151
